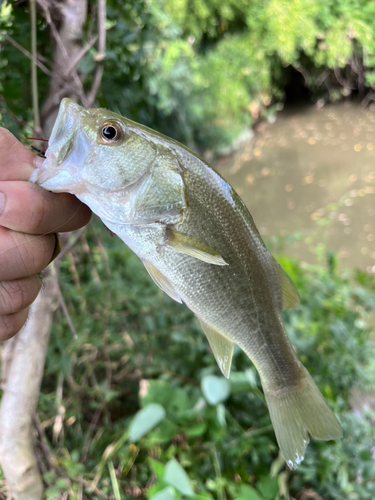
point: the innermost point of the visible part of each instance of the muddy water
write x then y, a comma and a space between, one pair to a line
309, 182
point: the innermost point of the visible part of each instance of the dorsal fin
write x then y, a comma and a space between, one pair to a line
289, 292
193, 247
161, 281
222, 348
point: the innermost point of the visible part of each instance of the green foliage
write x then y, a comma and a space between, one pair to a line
144, 402
202, 71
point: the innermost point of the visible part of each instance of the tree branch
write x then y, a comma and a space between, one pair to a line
81, 54
34, 75
63, 49
101, 53
27, 54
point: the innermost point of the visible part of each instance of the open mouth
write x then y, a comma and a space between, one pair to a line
69, 148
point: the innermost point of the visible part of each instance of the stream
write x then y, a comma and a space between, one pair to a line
308, 180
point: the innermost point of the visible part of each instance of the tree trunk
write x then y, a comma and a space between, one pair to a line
23, 363
24, 356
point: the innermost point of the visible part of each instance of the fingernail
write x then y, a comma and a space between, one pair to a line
38, 162
58, 247
3, 199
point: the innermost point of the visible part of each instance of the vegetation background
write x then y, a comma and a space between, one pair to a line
133, 406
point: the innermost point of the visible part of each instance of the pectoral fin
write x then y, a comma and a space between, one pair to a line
222, 348
161, 281
289, 292
193, 247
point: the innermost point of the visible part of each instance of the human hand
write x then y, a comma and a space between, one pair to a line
29, 218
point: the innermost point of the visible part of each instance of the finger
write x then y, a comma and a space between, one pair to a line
16, 295
16, 161
23, 255
28, 208
12, 324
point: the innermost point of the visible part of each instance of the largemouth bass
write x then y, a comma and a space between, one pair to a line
200, 245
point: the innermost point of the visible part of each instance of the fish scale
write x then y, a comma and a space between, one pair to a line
200, 245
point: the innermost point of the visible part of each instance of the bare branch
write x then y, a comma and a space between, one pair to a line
34, 75
81, 54
322, 77
101, 53
304, 73
27, 54
102, 15
370, 96
95, 85
63, 50
67, 248
341, 81
62, 302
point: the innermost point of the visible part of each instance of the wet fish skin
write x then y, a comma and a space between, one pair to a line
200, 245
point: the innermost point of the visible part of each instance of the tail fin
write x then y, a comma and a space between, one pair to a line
297, 412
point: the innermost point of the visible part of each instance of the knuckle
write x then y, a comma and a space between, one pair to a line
24, 255
11, 324
16, 295
37, 253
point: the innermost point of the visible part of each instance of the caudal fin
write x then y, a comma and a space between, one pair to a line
297, 412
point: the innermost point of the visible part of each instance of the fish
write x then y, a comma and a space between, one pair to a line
199, 244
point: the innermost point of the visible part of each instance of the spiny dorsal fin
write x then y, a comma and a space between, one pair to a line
289, 292
161, 281
222, 348
193, 247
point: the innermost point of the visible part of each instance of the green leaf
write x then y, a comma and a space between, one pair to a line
268, 487
158, 468
220, 414
145, 420
173, 399
87, 64
215, 389
248, 493
239, 382
167, 493
114, 482
196, 430
177, 477
365, 455
277, 465
164, 432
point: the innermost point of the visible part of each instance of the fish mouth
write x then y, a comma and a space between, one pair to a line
56, 180
67, 123
59, 171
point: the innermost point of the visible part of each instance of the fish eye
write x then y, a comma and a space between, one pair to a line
111, 132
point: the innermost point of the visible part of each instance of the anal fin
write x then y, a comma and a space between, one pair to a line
222, 348
193, 247
161, 281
